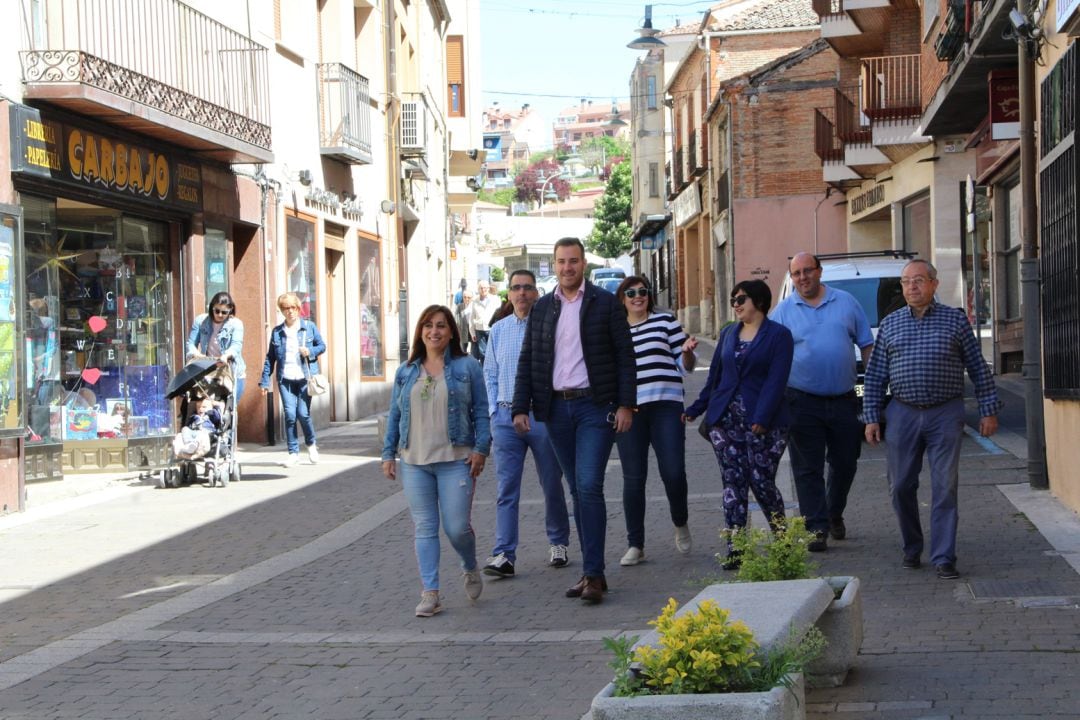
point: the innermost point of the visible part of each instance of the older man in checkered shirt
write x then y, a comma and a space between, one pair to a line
921, 353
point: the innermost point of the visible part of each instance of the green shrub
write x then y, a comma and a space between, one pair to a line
705, 652
766, 556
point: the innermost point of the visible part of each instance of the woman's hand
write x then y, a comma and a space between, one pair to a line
758, 429
689, 359
265, 391
304, 352
476, 463
389, 469
687, 418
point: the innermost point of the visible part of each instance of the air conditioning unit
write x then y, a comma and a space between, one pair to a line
413, 126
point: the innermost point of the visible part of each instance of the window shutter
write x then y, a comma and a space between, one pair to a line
455, 60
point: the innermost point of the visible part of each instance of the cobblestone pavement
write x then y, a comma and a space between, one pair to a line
290, 595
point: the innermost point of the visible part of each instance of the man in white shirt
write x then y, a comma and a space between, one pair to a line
483, 307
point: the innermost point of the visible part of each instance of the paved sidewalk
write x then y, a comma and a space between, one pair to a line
291, 595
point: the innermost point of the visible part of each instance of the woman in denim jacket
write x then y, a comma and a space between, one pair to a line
294, 346
218, 333
439, 426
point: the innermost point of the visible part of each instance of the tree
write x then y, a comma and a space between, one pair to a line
600, 153
610, 236
529, 182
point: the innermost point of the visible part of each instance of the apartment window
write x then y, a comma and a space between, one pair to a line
654, 179
1012, 251
650, 92
455, 75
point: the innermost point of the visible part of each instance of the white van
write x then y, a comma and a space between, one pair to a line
608, 272
872, 277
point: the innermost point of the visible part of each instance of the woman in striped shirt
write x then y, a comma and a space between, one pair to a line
664, 354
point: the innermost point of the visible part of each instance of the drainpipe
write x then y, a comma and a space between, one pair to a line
393, 165
1029, 269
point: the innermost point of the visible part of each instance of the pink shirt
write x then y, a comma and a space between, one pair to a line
569, 372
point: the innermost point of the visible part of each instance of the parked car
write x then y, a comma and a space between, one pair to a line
546, 284
872, 277
608, 272
610, 284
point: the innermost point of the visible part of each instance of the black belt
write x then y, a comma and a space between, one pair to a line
931, 406
573, 393
849, 395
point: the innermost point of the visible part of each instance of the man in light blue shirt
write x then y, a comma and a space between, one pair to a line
826, 324
500, 372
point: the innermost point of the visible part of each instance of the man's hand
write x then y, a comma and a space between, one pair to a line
624, 418
389, 469
988, 425
521, 423
873, 433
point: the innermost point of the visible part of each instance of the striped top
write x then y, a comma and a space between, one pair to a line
658, 342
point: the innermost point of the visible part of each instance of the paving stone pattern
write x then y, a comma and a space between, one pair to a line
332, 635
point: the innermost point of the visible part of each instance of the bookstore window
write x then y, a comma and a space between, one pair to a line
98, 290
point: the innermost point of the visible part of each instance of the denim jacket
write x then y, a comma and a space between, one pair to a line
230, 338
275, 353
467, 406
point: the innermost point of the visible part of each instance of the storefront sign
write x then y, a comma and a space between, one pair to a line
687, 205
106, 162
867, 200
1004, 105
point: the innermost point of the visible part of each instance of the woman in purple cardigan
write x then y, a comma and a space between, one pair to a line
745, 412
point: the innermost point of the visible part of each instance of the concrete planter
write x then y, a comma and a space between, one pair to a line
842, 626
780, 703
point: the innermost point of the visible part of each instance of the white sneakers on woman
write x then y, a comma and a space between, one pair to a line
683, 542
429, 604
633, 556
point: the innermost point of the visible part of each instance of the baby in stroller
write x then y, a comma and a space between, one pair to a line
196, 438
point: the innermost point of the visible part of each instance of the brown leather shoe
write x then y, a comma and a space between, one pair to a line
577, 589
594, 590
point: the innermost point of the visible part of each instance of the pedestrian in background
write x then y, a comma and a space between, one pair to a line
576, 373
463, 317
921, 353
483, 307
219, 334
438, 425
663, 354
826, 324
509, 447
745, 412
294, 344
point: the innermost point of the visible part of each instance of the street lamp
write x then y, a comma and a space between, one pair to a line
648, 39
543, 187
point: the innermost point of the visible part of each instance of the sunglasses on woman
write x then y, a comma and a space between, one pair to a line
636, 292
738, 300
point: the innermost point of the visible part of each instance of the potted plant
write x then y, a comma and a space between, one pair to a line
705, 665
765, 557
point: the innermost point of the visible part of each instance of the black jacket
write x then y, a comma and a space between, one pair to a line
605, 342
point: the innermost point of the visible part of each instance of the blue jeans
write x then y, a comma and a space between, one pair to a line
582, 436
508, 449
296, 405
937, 431
823, 429
658, 424
440, 490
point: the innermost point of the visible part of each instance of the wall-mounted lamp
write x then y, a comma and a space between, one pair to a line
473, 154
304, 176
388, 207
473, 183
648, 39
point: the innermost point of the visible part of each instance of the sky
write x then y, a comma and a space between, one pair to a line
552, 53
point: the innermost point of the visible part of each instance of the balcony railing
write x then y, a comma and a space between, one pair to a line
691, 154
677, 170
164, 55
827, 143
850, 125
891, 87
344, 114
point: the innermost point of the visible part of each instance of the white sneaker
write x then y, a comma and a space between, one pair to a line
683, 542
429, 604
633, 556
474, 584
558, 556
291, 460
313, 454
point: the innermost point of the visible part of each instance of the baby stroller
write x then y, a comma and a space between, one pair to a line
214, 461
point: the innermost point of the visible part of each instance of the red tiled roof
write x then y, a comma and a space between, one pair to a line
769, 14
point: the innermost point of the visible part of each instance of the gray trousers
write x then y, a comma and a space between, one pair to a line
936, 431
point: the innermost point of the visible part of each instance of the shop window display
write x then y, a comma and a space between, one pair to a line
371, 353
10, 407
300, 276
98, 291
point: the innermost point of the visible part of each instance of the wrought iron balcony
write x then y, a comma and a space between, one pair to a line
344, 114
827, 143
678, 171
891, 87
194, 82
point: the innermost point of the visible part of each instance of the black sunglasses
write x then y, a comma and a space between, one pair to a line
636, 292
738, 300
525, 286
